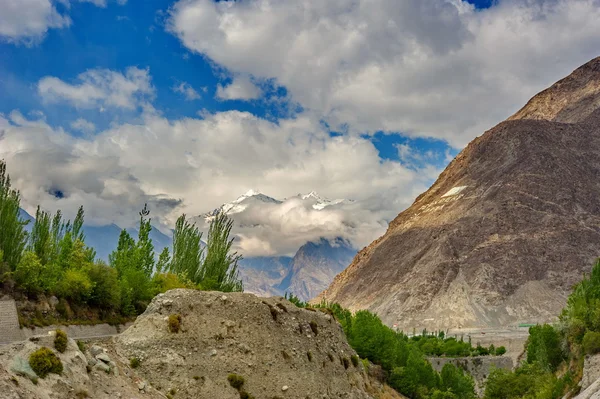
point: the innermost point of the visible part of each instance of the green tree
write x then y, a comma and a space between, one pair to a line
544, 347
456, 381
13, 237
29, 274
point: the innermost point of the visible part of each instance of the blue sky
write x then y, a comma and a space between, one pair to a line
188, 104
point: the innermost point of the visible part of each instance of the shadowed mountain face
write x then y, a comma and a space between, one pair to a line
506, 230
311, 269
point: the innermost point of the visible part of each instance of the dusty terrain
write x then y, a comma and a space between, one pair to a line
281, 352
506, 230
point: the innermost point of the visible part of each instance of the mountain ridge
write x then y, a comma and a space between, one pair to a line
505, 231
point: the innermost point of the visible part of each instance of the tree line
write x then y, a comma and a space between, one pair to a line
54, 259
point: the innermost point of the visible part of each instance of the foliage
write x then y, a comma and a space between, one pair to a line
43, 362
134, 362
60, 341
236, 381
105, 291
174, 323
29, 274
527, 381
13, 236
544, 347
213, 268
591, 342
75, 286
295, 300
501, 350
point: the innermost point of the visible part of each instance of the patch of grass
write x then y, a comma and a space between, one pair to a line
355, 360
134, 362
236, 381
43, 362
314, 327
14, 380
172, 391
81, 346
245, 395
174, 323
60, 341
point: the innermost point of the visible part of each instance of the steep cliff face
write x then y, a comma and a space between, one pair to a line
506, 230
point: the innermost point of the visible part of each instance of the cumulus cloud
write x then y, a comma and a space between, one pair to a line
206, 162
27, 21
187, 90
241, 88
83, 125
100, 88
422, 67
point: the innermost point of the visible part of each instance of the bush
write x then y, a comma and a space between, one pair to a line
28, 274
134, 362
43, 361
105, 291
60, 341
236, 381
174, 323
591, 342
81, 346
354, 360
75, 285
500, 351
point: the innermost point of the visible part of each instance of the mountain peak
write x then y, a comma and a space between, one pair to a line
507, 229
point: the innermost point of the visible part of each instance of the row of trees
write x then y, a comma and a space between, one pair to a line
54, 259
401, 357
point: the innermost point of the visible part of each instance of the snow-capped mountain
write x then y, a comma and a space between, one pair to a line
240, 204
256, 198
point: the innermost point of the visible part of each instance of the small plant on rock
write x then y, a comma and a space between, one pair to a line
43, 362
355, 360
236, 381
175, 323
134, 362
60, 341
81, 346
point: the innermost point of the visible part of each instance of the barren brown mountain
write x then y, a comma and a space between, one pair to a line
506, 230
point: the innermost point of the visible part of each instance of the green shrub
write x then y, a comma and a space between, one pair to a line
355, 360
75, 286
591, 342
134, 362
175, 323
60, 341
500, 351
105, 292
236, 381
43, 361
28, 274
81, 346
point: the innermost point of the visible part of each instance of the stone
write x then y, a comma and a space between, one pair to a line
21, 366
213, 352
53, 301
285, 388
141, 385
95, 350
102, 367
104, 357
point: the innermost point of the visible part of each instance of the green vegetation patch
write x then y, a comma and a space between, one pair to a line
60, 341
43, 362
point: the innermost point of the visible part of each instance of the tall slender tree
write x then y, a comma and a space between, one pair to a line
13, 236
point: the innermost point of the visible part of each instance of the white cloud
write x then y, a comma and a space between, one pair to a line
423, 67
187, 90
83, 126
27, 21
241, 88
206, 162
100, 88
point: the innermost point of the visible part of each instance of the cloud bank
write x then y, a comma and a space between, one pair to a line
428, 68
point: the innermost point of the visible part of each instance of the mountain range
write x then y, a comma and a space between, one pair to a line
504, 233
305, 273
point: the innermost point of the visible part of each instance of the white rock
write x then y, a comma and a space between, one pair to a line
285, 388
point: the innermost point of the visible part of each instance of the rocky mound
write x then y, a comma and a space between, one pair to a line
506, 230
279, 350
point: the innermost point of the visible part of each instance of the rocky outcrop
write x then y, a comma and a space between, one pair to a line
279, 350
506, 230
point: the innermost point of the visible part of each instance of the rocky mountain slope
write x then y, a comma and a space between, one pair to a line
280, 351
305, 275
506, 230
